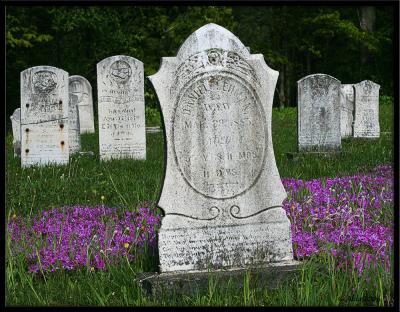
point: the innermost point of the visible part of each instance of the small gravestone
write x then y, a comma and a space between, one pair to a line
16, 130
81, 87
44, 116
222, 194
346, 110
120, 86
318, 113
366, 111
73, 122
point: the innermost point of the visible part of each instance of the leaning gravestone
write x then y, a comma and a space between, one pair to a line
366, 114
120, 85
16, 129
346, 110
81, 87
318, 113
44, 116
222, 194
73, 122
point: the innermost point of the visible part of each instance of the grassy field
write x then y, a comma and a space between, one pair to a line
130, 184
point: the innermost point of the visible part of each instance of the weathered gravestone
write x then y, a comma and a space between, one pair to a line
81, 87
73, 121
318, 113
16, 129
44, 116
366, 112
121, 112
346, 110
222, 194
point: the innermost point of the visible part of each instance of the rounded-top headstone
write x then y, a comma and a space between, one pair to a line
318, 113
44, 116
347, 110
120, 87
81, 87
73, 122
366, 111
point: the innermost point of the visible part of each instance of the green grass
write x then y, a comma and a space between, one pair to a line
131, 184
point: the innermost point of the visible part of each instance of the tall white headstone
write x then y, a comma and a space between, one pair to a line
366, 112
318, 113
81, 87
73, 121
222, 194
120, 86
44, 116
16, 129
346, 110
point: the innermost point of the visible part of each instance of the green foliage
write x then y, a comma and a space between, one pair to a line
296, 41
21, 35
386, 100
129, 184
153, 118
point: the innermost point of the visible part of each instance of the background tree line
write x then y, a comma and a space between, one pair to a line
349, 43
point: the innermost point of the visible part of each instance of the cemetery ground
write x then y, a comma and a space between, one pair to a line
47, 219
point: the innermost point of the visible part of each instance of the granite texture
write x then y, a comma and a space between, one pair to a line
366, 115
44, 116
73, 122
81, 87
16, 131
346, 110
120, 87
318, 113
222, 193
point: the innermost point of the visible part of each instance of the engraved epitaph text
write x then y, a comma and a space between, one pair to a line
318, 113
44, 116
222, 193
219, 136
121, 108
366, 119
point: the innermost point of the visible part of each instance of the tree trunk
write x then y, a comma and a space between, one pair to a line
367, 23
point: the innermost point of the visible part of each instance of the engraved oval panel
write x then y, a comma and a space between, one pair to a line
219, 135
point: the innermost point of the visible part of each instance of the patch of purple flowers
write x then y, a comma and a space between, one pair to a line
73, 237
352, 215
348, 217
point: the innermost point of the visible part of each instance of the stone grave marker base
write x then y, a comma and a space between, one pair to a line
189, 282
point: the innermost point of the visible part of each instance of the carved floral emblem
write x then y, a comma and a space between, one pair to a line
120, 71
367, 88
44, 82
